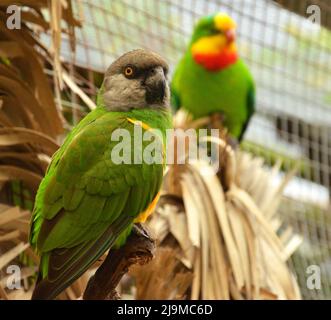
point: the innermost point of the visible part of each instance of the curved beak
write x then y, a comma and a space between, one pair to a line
230, 35
155, 83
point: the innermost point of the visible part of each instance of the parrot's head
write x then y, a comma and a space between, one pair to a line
137, 79
213, 42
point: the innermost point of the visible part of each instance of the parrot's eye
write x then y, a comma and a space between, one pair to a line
214, 31
129, 72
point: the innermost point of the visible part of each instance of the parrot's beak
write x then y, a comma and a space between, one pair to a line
156, 85
230, 35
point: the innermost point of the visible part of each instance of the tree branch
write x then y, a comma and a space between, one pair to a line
139, 248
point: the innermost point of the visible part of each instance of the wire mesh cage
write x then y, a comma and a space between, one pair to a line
289, 54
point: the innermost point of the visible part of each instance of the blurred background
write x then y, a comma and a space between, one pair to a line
289, 54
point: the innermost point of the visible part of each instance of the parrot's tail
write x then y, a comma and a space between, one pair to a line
67, 264
64, 267
37, 293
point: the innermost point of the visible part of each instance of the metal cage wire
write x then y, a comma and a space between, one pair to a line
289, 57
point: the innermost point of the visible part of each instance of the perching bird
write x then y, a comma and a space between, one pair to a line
211, 78
87, 202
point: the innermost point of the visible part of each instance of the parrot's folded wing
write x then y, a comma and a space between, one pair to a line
86, 202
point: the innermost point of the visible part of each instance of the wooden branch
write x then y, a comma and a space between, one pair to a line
139, 248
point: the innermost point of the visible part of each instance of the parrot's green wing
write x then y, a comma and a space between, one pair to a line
86, 202
250, 110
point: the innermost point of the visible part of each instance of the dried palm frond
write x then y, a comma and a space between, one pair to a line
30, 125
225, 232
14, 228
29, 118
174, 282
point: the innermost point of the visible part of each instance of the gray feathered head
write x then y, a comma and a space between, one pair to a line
137, 79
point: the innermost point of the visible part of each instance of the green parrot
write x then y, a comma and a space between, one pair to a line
87, 201
211, 78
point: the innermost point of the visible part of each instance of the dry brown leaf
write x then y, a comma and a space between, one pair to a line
238, 251
13, 136
10, 214
10, 236
12, 254
8, 173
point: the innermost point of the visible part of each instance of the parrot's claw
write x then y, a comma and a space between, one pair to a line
141, 231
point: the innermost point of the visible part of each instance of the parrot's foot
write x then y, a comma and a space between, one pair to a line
140, 231
138, 249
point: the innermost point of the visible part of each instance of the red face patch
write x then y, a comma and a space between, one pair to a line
216, 61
